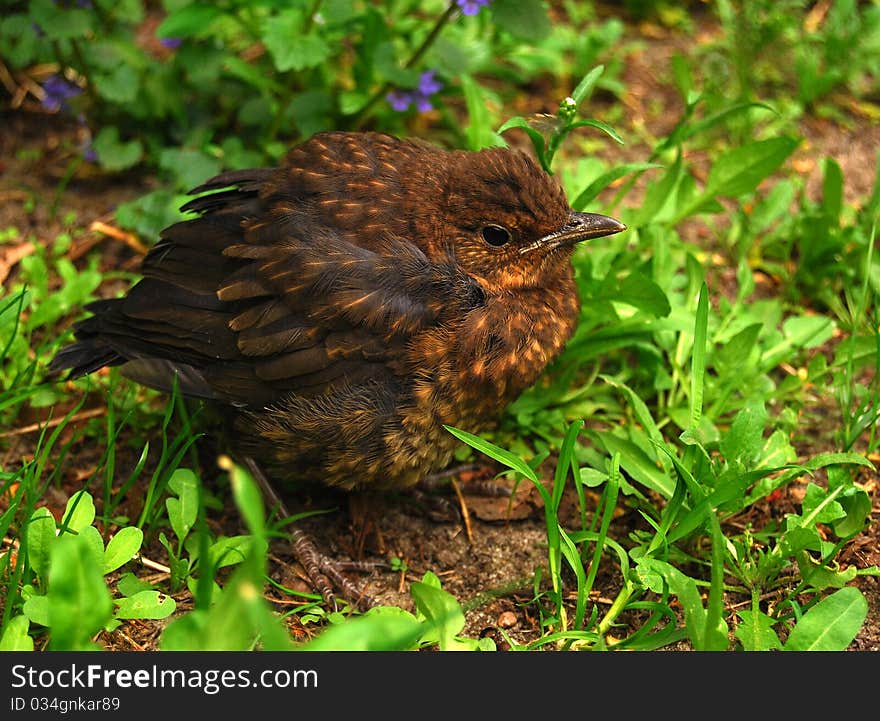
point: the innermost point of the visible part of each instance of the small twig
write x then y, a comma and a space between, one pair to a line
40, 425
130, 239
153, 564
465, 516
13, 256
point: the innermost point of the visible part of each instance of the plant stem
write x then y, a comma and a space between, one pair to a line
361, 116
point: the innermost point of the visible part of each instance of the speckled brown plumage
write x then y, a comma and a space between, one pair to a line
349, 303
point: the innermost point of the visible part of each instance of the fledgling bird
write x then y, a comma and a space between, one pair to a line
349, 303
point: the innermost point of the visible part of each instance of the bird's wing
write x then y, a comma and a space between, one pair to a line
247, 305
320, 309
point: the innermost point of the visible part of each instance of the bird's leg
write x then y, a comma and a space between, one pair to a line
441, 508
324, 573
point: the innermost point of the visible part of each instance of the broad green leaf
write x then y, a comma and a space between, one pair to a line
188, 20
113, 154
640, 291
524, 19
79, 602
191, 167
182, 511
41, 534
15, 635
289, 46
743, 443
831, 624
815, 505
442, 611
145, 604
120, 85
93, 541
393, 629
122, 547
129, 584
59, 22
79, 513
755, 632
739, 170
36, 608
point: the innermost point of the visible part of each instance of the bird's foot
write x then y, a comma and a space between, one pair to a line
325, 575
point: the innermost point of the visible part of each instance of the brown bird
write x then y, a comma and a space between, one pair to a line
349, 303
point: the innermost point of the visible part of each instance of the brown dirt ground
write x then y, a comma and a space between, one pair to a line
492, 572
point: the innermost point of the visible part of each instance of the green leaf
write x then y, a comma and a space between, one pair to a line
119, 86
588, 194
599, 125
539, 142
499, 454
733, 354
36, 608
831, 624
832, 190
114, 154
79, 602
442, 612
188, 20
79, 513
743, 443
60, 23
15, 636
740, 170
191, 167
289, 47
479, 129
756, 633
145, 604
129, 584
586, 85
383, 628
182, 511
524, 19
122, 547
640, 291
41, 534
698, 360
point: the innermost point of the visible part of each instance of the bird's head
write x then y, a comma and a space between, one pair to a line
508, 223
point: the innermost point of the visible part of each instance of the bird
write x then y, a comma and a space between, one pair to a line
346, 306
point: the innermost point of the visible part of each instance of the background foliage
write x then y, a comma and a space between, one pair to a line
681, 394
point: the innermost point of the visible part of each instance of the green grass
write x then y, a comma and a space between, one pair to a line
684, 395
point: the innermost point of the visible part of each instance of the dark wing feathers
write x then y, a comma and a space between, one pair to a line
250, 303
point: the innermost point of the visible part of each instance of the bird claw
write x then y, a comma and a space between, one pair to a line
325, 574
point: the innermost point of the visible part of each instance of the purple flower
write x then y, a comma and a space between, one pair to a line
400, 100
428, 84
471, 7
57, 91
171, 43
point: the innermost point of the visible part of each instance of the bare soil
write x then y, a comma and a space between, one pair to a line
492, 571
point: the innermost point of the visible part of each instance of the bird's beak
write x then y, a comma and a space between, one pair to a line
580, 226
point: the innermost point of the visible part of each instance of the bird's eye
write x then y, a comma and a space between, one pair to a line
496, 235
